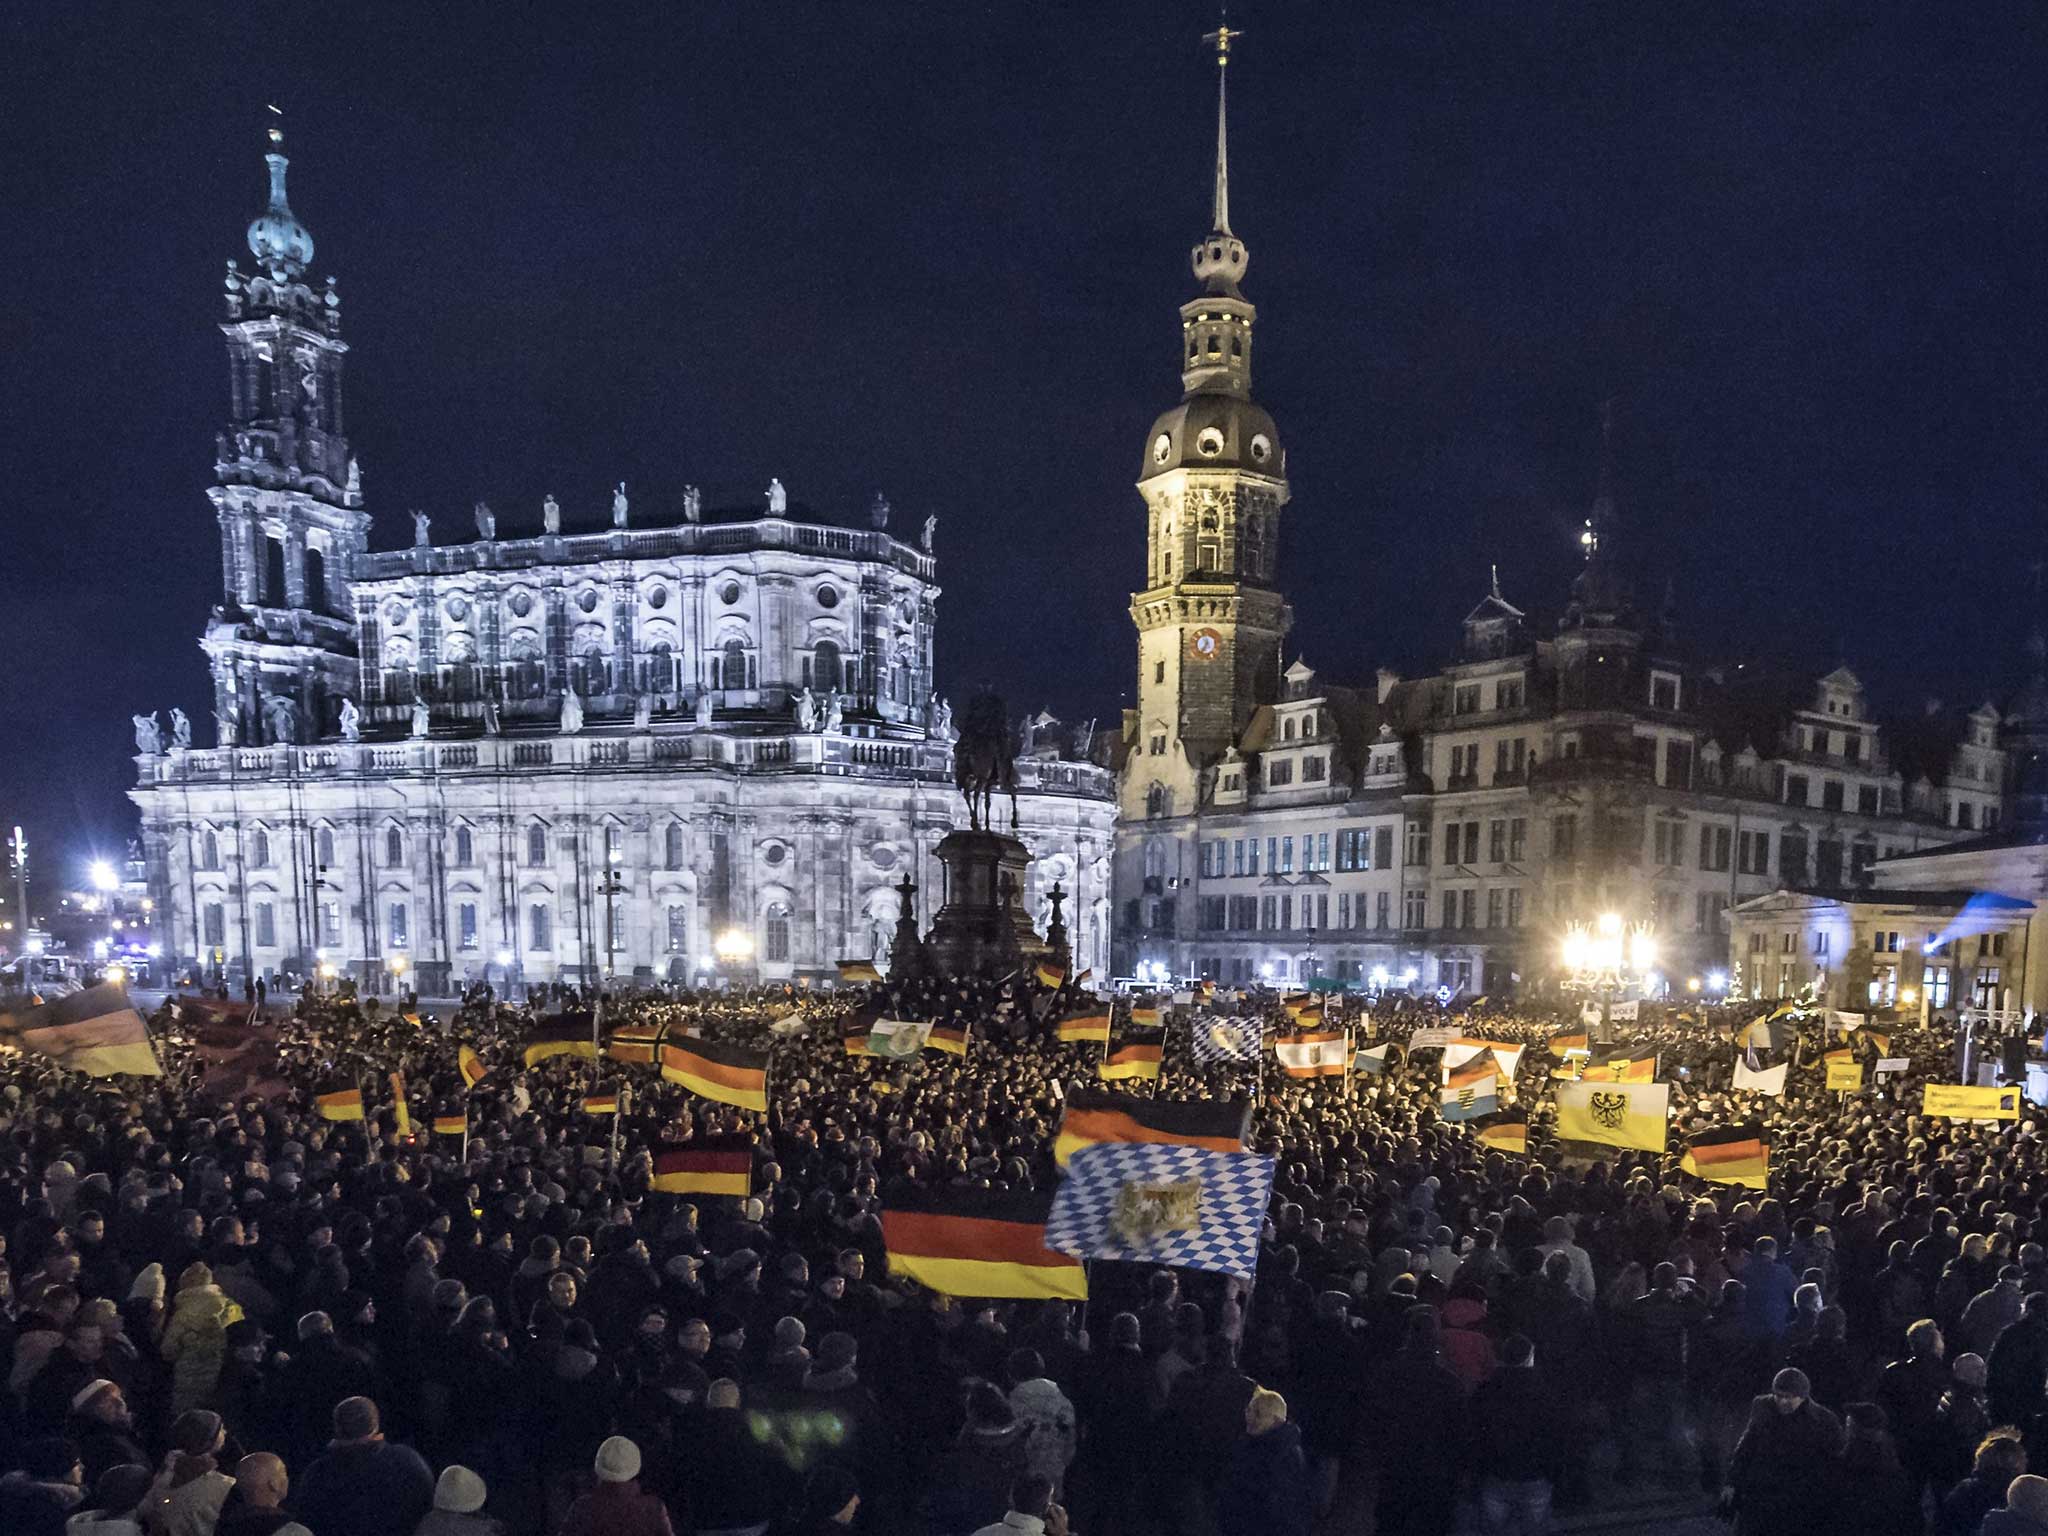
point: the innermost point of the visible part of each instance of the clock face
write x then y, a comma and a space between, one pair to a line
1205, 643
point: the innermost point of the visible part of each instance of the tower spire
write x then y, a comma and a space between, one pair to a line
1222, 37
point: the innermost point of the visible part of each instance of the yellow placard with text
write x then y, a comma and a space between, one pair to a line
1845, 1076
1955, 1101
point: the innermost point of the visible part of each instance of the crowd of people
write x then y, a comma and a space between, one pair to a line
243, 1319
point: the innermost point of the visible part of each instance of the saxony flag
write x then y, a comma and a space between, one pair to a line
1615, 1114
1472, 1092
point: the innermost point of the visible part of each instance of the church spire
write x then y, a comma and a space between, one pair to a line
1219, 261
1222, 37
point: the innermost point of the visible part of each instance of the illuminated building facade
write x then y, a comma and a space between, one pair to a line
553, 754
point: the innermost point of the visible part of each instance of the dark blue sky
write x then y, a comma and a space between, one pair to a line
937, 250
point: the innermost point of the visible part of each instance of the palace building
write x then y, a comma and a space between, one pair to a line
662, 748
1445, 830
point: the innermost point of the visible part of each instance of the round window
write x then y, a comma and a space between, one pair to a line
1162, 447
729, 593
587, 600
828, 597
1262, 448
657, 597
1210, 443
883, 855
458, 609
522, 603
396, 613
774, 854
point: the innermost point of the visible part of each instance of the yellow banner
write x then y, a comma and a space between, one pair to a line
1615, 1114
1953, 1101
1845, 1076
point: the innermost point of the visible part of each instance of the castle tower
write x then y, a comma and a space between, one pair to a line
1210, 622
286, 492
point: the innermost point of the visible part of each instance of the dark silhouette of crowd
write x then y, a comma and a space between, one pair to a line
242, 1319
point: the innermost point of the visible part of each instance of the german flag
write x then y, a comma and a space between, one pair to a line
1148, 1016
1506, 1132
716, 1165
950, 1038
1087, 1028
729, 1074
565, 1034
858, 970
341, 1104
1298, 1003
600, 1104
978, 1244
1216, 1124
634, 1043
398, 1098
1769, 1033
1638, 1064
451, 1125
470, 1065
1137, 1060
1562, 1046
1087, 975
1049, 975
1730, 1154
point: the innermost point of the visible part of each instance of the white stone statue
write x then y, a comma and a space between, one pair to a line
490, 717
931, 528
778, 499
572, 712
550, 515
486, 522
355, 476
704, 706
693, 504
643, 710
149, 736
421, 523
832, 714
878, 510
351, 721
806, 711
422, 719
224, 727
619, 506
181, 728
282, 716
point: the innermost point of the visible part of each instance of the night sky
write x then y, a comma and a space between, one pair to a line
936, 250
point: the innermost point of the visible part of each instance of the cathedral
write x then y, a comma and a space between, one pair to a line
1446, 831
678, 748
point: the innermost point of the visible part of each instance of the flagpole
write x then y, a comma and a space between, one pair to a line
596, 1036
618, 1118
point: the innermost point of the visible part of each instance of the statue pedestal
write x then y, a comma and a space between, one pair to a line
982, 928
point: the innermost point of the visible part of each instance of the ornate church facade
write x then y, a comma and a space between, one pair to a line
666, 749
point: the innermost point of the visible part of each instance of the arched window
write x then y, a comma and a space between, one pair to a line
209, 850
273, 573
1158, 801
465, 847
1287, 730
775, 932
394, 847
734, 674
825, 666
614, 843
323, 847
316, 581
672, 846
536, 848
1155, 861
259, 849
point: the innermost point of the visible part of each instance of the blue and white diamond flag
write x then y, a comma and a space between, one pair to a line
1213, 1039
1187, 1207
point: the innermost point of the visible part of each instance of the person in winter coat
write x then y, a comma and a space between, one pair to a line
974, 1478
1874, 1495
115, 1509
726, 1478
2026, 1508
1962, 1419
1033, 1511
1778, 1478
2000, 1458
1266, 1492
186, 1498
459, 1498
1466, 1348
616, 1506
1418, 1424
39, 1497
102, 1430
196, 1338
1516, 1461
364, 1485
1047, 1417
2018, 1365
256, 1506
1910, 1392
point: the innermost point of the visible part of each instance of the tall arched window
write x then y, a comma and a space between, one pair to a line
536, 845
209, 850
825, 666
259, 849
274, 592
394, 847
734, 673
1287, 730
465, 847
323, 847
672, 846
775, 932
316, 581
614, 843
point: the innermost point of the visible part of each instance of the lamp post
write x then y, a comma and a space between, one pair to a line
1605, 957
611, 887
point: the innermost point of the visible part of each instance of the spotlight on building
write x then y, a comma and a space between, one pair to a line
734, 946
102, 875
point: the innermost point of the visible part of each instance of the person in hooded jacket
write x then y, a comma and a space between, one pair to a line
1266, 1492
2000, 1457
1417, 1427
116, 1506
975, 1475
195, 1339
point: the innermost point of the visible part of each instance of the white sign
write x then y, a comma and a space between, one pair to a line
1431, 1039
1623, 1013
1892, 1064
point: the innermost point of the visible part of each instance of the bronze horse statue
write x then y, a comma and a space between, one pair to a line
985, 761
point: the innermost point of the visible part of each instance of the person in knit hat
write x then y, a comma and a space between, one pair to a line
616, 1506
458, 1507
114, 1510
196, 1338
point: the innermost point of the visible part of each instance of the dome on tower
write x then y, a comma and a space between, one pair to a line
1214, 432
278, 241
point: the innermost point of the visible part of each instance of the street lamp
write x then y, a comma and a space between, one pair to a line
611, 886
102, 875
1605, 957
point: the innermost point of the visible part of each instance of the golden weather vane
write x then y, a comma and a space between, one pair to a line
1223, 37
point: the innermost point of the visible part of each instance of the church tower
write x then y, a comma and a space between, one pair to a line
286, 493
1210, 622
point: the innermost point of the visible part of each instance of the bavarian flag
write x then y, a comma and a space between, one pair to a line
451, 1125
563, 1034
978, 1244
728, 1074
470, 1065
1729, 1154
1091, 1117
712, 1165
1049, 975
1634, 1064
1472, 1091
1087, 1028
1505, 1132
1615, 1114
950, 1038
858, 970
341, 1104
1136, 1059
1184, 1207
